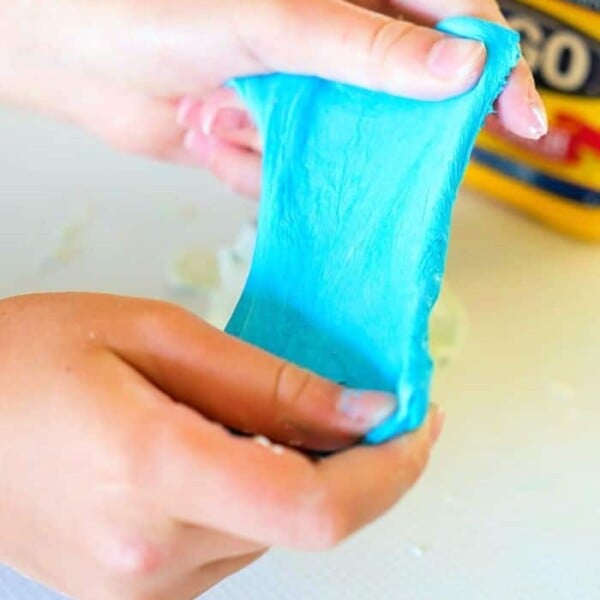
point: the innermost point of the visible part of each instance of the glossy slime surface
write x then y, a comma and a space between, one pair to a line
358, 189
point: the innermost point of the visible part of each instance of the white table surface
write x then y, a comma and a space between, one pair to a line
510, 507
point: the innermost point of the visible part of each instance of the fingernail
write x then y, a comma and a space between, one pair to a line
188, 112
454, 58
537, 118
438, 417
199, 145
366, 407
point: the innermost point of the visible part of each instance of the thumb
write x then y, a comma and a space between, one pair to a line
245, 388
340, 41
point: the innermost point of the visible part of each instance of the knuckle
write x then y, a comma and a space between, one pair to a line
323, 522
291, 385
255, 20
300, 394
132, 559
332, 523
154, 318
387, 40
128, 555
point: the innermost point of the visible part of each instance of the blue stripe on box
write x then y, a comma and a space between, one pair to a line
576, 193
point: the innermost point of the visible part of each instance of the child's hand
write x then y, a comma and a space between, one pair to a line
120, 67
222, 137
119, 479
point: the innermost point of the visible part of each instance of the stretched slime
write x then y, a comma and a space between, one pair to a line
354, 221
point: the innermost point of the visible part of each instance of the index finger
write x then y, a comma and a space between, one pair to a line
205, 476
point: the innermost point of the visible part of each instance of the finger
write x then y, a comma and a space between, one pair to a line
244, 387
220, 113
355, 45
238, 167
246, 138
275, 498
520, 107
202, 114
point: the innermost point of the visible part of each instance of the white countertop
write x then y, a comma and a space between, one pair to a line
510, 507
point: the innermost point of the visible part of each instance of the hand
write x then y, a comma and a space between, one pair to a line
119, 478
222, 137
121, 67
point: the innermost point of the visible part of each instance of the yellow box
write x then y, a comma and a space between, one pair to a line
556, 179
